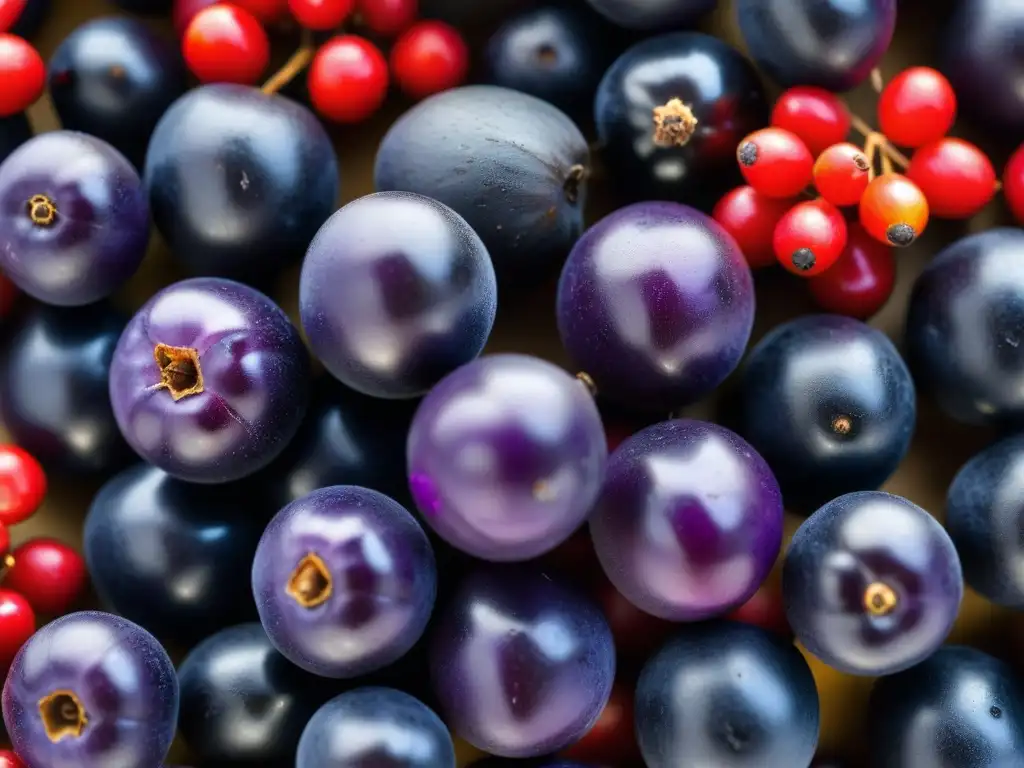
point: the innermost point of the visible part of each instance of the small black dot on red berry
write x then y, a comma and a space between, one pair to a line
900, 235
861, 162
747, 153
803, 259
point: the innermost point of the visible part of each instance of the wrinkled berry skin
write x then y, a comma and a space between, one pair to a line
254, 381
121, 677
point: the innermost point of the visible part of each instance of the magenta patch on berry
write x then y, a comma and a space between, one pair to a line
424, 491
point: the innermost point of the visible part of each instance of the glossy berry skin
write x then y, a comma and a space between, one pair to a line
810, 237
829, 404
321, 15
114, 78
428, 287
22, 485
963, 317
14, 131
775, 162
611, 739
68, 424
688, 281
557, 53
872, 584
23, 72
17, 625
73, 218
348, 79
171, 556
832, 44
841, 174
184, 11
712, 81
916, 107
10, 760
344, 580
980, 55
959, 708
514, 167
751, 218
387, 17
764, 713
862, 279
546, 450
226, 44
894, 210
503, 685
818, 117
209, 381
242, 703
1013, 184
394, 730
49, 574
101, 686
689, 521
983, 508
428, 58
269, 175
956, 177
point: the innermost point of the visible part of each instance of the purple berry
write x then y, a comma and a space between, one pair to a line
91, 690
344, 580
209, 380
689, 521
375, 727
396, 292
74, 220
505, 457
656, 304
871, 583
521, 665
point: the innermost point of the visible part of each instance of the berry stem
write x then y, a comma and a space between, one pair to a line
877, 82
872, 143
291, 69
866, 130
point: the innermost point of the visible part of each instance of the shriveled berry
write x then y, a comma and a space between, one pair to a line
916, 107
810, 237
817, 116
750, 218
842, 173
894, 210
775, 162
861, 281
957, 178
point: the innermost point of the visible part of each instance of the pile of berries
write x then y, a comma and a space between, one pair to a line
41, 576
348, 75
805, 151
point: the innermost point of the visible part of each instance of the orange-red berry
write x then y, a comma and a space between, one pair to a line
916, 107
842, 173
810, 237
894, 210
226, 44
957, 178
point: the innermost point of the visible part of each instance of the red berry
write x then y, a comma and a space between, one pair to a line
8, 295
348, 79
1013, 184
10, 12
916, 107
321, 15
775, 162
861, 281
48, 573
22, 75
751, 218
226, 44
184, 11
17, 625
817, 116
894, 210
10, 760
842, 173
387, 17
611, 740
265, 11
22, 485
810, 237
957, 178
429, 58
765, 609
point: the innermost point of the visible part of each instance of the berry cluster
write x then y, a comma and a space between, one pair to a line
41, 576
348, 75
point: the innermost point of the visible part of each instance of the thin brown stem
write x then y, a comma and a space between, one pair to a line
872, 143
291, 69
877, 83
866, 130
